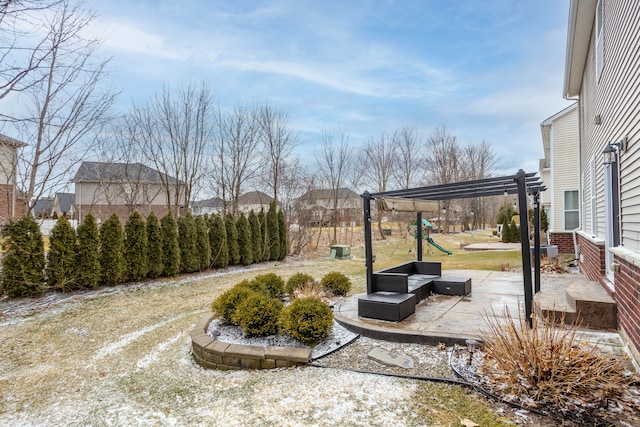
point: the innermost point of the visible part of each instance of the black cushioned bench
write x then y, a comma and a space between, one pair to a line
392, 289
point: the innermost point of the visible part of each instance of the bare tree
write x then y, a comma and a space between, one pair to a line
173, 131
237, 152
443, 167
477, 162
62, 100
278, 142
411, 160
24, 47
336, 163
380, 157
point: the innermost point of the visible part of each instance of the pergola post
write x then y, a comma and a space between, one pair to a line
536, 240
419, 234
524, 242
368, 244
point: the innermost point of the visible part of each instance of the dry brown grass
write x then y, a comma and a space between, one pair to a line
549, 364
312, 290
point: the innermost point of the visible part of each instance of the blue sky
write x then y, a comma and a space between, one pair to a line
488, 70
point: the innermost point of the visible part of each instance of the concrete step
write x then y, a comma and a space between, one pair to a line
578, 299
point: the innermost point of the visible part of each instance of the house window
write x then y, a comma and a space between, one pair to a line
599, 38
571, 210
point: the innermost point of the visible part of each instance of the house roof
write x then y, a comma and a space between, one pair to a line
581, 18
44, 205
328, 193
255, 197
4, 139
65, 201
119, 172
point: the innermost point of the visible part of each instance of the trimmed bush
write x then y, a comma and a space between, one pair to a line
283, 235
61, 269
87, 253
336, 282
226, 304
232, 240
506, 232
203, 247
23, 261
244, 240
262, 219
308, 320
154, 246
256, 236
112, 265
135, 246
218, 242
296, 281
170, 247
258, 315
273, 283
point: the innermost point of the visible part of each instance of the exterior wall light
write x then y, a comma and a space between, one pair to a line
610, 152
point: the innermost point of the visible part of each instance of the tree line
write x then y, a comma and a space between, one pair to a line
111, 253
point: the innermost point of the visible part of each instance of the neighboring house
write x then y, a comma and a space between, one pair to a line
43, 208
105, 188
601, 72
12, 205
207, 207
254, 200
318, 207
64, 204
560, 173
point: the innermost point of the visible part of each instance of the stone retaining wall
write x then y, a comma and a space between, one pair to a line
214, 354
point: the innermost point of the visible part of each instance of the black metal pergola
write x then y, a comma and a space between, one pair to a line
521, 183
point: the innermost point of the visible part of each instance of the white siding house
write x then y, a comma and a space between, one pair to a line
602, 72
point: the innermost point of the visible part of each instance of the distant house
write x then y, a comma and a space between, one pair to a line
253, 200
43, 208
328, 207
105, 188
560, 172
211, 206
64, 204
12, 205
601, 71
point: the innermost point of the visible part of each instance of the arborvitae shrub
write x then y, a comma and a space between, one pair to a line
202, 243
262, 218
336, 282
506, 232
274, 233
112, 263
273, 283
170, 247
515, 232
61, 269
87, 253
256, 236
258, 315
154, 247
308, 320
23, 261
284, 236
232, 240
189, 261
296, 281
135, 246
218, 242
226, 304
244, 240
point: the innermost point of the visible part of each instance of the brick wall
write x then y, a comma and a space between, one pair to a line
564, 242
10, 208
627, 283
592, 258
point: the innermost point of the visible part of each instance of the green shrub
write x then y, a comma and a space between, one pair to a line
283, 236
273, 233
170, 246
218, 242
308, 320
336, 282
255, 286
273, 283
61, 269
189, 260
264, 234
23, 262
226, 304
87, 253
244, 240
154, 246
258, 315
203, 245
256, 236
232, 240
112, 261
135, 246
296, 281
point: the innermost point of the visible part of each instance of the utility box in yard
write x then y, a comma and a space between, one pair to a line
341, 251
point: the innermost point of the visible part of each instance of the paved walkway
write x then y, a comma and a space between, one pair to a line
453, 319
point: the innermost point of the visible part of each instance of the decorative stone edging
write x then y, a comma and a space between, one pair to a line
215, 354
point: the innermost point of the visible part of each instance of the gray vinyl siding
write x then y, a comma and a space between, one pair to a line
616, 97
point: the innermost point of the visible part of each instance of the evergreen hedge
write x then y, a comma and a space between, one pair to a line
170, 247
112, 263
23, 261
284, 237
203, 249
232, 240
273, 232
262, 218
135, 246
154, 247
61, 268
256, 236
189, 260
244, 240
218, 242
87, 253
